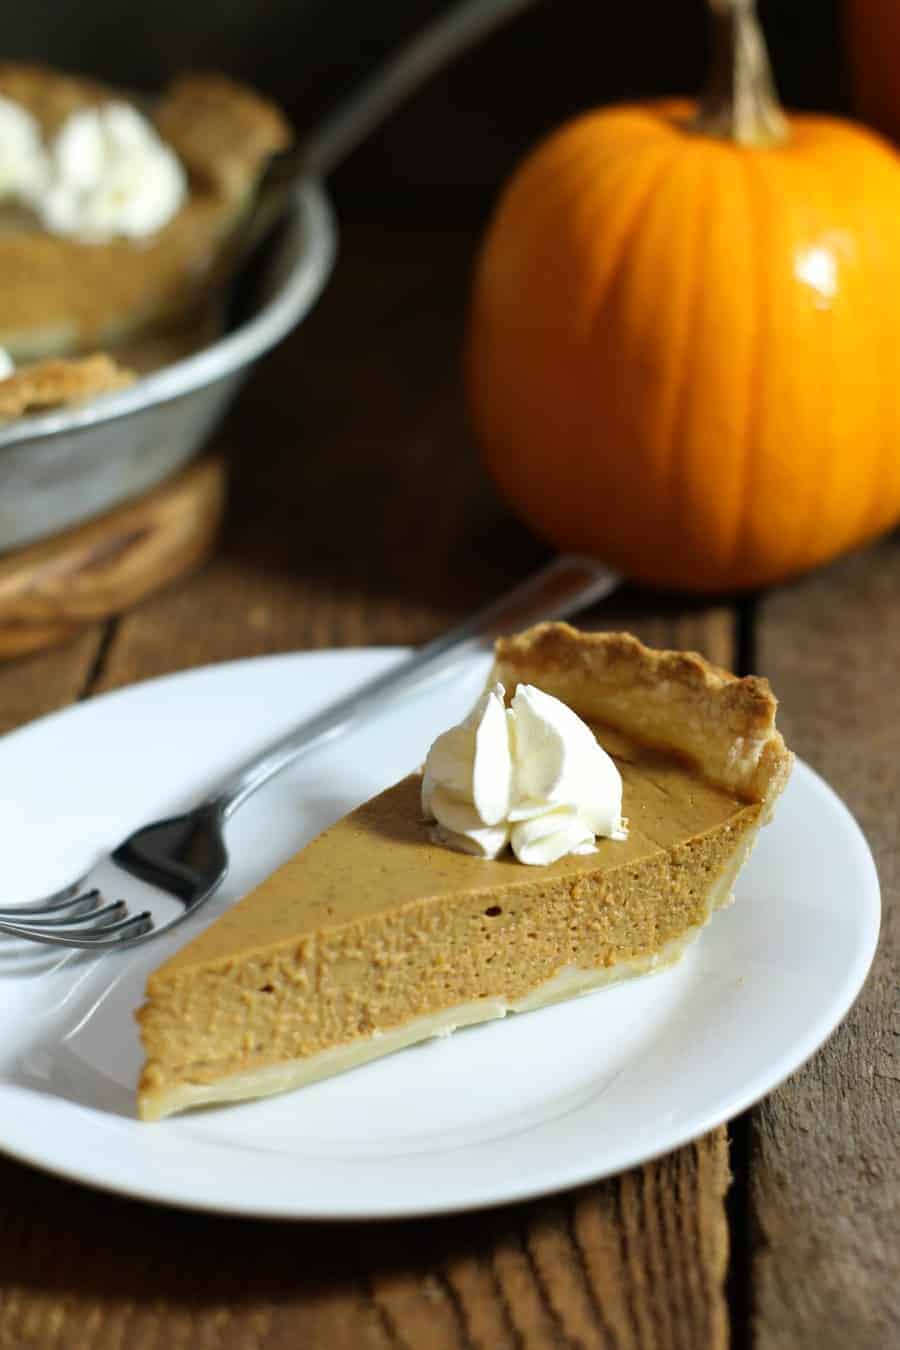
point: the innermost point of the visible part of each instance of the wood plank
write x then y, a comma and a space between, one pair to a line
35, 685
825, 1189
633, 1264
52, 590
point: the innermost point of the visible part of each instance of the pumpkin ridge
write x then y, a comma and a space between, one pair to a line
819, 503
887, 462
882, 506
674, 475
569, 148
545, 209
796, 547
613, 268
653, 165
635, 124
592, 334
848, 529
526, 186
655, 172
741, 524
619, 465
839, 532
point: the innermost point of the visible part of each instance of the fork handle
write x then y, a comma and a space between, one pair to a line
563, 587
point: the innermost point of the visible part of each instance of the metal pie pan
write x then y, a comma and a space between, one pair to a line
61, 468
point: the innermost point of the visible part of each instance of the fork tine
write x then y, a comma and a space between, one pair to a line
108, 935
68, 903
93, 918
48, 902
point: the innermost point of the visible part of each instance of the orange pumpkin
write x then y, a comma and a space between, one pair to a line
873, 45
684, 343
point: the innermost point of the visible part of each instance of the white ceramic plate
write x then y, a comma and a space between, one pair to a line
496, 1113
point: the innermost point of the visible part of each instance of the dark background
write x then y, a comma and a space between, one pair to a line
445, 152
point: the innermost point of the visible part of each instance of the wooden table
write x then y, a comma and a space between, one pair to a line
360, 515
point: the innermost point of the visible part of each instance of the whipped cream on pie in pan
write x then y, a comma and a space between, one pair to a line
110, 174
105, 173
24, 163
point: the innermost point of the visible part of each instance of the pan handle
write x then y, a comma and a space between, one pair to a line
436, 46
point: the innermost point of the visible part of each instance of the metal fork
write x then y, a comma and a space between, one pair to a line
184, 857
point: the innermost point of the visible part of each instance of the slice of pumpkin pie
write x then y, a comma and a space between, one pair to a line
533, 861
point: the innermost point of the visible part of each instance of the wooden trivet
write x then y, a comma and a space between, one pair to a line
50, 590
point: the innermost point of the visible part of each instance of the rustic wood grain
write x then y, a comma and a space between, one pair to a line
366, 519
633, 1264
825, 1178
33, 686
51, 590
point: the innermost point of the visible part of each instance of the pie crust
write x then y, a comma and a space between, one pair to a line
59, 383
675, 701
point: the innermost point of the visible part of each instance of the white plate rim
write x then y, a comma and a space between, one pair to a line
552, 1178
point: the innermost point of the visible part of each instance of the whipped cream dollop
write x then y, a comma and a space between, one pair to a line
7, 366
24, 163
531, 776
110, 175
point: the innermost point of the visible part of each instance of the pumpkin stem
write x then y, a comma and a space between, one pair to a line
741, 102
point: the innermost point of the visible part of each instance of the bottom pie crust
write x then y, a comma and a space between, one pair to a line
570, 982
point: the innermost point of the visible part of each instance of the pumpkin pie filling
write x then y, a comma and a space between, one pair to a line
373, 936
